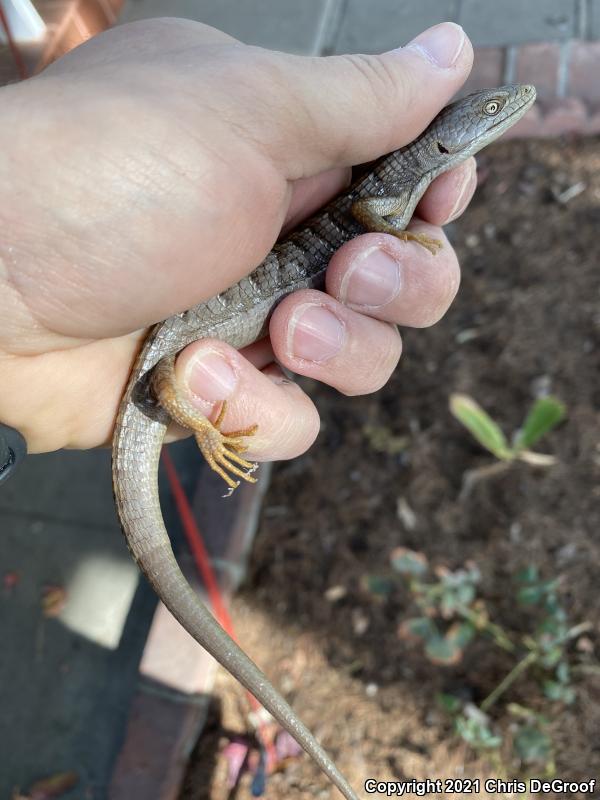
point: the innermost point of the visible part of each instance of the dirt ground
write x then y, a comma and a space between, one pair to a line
527, 319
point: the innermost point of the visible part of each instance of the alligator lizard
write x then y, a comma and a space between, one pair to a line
383, 200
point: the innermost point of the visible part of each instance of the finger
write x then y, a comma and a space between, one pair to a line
314, 335
260, 353
449, 194
401, 282
350, 109
309, 194
287, 420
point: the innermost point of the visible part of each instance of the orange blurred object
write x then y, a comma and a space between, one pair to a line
68, 24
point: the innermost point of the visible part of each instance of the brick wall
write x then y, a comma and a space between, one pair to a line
553, 44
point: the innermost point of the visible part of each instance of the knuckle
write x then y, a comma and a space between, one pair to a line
379, 78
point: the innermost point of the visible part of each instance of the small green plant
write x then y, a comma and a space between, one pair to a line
531, 741
544, 415
381, 439
451, 614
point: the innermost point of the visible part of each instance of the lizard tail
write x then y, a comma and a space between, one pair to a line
138, 439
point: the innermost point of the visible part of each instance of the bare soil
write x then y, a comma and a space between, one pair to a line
527, 319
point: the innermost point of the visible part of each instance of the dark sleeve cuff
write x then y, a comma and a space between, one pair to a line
13, 449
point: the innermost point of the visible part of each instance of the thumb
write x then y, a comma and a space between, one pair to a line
350, 109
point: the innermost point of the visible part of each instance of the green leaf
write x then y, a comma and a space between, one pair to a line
551, 629
480, 425
377, 585
419, 628
465, 594
552, 605
448, 604
553, 690
551, 658
558, 691
461, 634
528, 574
442, 650
477, 732
408, 562
544, 415
563, 672
448, 702
533, 593
530, 595
532, 745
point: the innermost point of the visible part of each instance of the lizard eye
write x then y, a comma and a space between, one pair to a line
492, 107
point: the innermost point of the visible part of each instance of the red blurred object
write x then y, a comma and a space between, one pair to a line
202, 561
196, 544
10, 580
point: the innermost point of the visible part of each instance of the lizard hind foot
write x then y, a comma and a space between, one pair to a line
222, 450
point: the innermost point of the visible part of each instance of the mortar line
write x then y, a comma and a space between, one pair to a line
581, 17
562, 73
510, 63
329, 27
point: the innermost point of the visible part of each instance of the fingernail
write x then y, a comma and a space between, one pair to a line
316, 334
464, 195
441, 44
210, 376
372, 280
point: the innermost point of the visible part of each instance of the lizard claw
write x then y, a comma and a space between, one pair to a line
222, 451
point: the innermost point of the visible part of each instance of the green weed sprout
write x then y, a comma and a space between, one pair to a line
544, 415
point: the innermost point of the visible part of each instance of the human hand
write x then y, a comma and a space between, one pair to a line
156, 165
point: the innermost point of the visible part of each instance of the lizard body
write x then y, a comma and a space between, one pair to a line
382, 200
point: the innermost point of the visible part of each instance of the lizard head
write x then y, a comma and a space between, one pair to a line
467, 125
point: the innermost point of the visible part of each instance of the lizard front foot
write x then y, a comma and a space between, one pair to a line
428, 242
222, 451
371, 212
